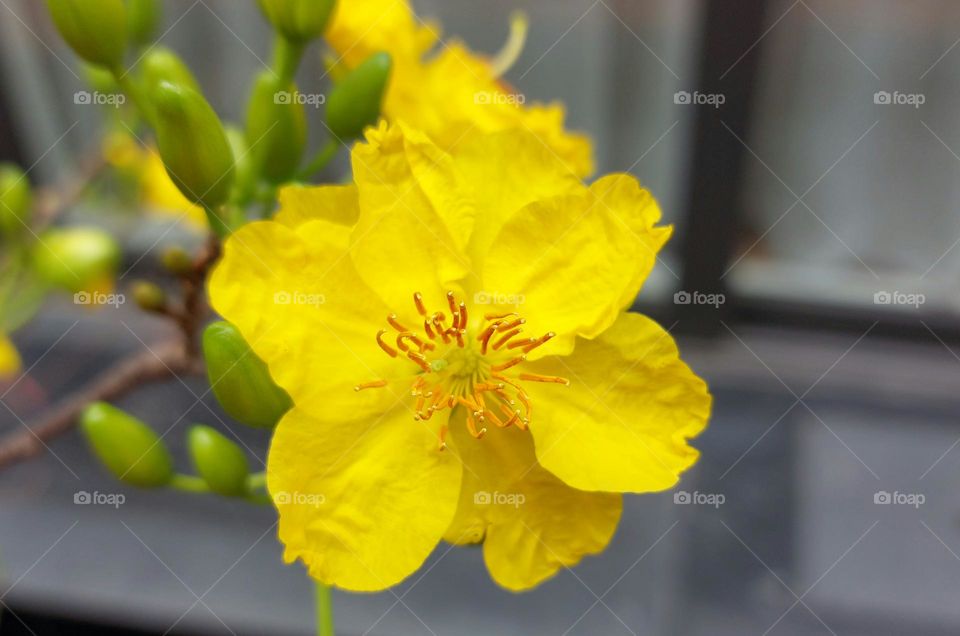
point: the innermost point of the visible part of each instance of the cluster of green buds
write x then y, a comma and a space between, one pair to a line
136, 455
232, 172
214, 165
78, 260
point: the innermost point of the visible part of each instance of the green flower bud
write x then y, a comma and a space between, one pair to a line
177, 261
355, 100
240, 379
16, 198
77, 259
298, 20
276, 128
161, 64
192, 144
95, 29
130, 449
221, 463
149, 296
143, 16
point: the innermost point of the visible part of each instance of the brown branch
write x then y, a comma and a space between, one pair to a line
127, 374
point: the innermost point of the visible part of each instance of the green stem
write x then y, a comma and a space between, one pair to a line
256, 480
324, 610
286, 58
132, 90
220, 226
320, 161
189, 483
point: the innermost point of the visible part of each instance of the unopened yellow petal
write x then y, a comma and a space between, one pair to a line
623, 423
532, 524
363, 500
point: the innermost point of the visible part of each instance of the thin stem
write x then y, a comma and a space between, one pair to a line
134, 92
256, 481
219, 226
324, 610
320, 161
189, 483
286, 58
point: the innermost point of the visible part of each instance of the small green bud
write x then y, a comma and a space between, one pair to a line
240, 379
16, 198
192, 144
355, 100
221, 463
77, 259
298, 20
130, 449
161, 64
143, 16
177, 261
149, 296
95, 29
276, 128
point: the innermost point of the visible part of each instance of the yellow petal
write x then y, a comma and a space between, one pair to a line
362, 501
363, 27
304, 310
335, 203
623, 423
509, 170
533, 523
401, 243
9, 358
637, 213
573, 260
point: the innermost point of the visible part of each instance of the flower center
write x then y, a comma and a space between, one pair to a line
463, 363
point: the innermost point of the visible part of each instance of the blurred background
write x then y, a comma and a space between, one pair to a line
808, 153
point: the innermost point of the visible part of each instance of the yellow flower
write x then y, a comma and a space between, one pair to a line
9, 358
158, 192
451, 92
452, 328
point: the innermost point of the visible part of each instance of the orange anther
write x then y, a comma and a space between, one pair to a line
507, 336
508, 364
390, 351
418, 301
376, 384
392, 319
534, 377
